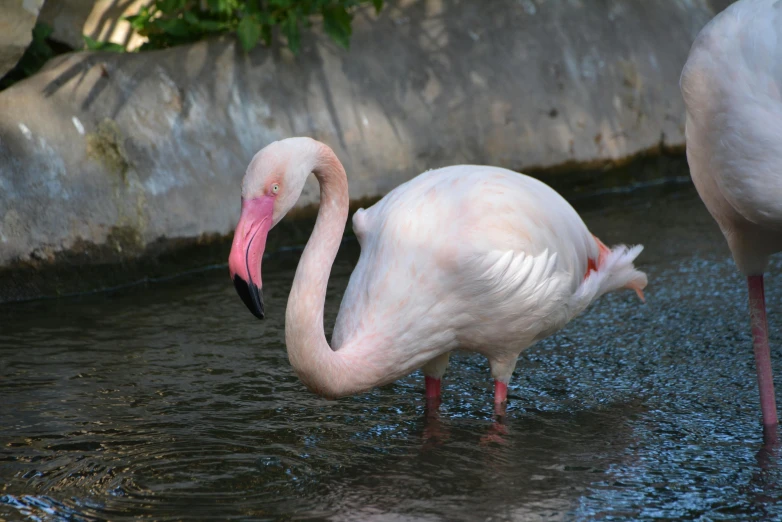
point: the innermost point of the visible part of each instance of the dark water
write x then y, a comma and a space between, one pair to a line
171, 401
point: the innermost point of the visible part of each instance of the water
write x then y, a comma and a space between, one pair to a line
170, 401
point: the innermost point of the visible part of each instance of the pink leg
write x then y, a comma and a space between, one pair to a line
500, 397
432, 387
500, 392
757, 310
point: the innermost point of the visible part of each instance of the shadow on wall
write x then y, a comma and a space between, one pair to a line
100, 20
109, 20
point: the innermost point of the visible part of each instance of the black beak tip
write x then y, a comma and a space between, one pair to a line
251, 296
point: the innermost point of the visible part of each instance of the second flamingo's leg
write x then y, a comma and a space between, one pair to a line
757, 310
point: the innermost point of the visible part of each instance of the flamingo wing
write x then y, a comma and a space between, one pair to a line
458, 249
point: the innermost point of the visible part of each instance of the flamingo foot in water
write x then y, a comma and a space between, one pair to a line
499, 431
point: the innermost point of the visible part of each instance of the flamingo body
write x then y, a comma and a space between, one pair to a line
732, 88
466, 257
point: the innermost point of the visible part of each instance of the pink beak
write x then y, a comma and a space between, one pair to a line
244, 262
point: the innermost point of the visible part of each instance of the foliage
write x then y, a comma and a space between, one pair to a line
172, 22
37, 53
96, 45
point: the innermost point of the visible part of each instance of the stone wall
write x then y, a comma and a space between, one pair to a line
17, 18
116, 153
102, 20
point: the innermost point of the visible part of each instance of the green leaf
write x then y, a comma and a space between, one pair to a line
266, 34
253, 7
190, 18
248, 32
336, 23
95, 45
172, 22
378, 5
211, 26
92, 45
291, 30
41, 32
170, 5
139, 21
175, 27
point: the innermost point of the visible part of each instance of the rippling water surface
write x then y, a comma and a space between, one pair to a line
170, 401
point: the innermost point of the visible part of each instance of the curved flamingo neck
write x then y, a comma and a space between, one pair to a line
317, 365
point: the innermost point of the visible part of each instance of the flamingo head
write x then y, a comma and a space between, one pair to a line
271, 186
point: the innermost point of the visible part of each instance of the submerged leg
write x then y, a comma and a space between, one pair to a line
501, 370
757, 310
432, 387
433, 373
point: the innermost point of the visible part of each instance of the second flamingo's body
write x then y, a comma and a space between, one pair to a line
732, 87
466, 257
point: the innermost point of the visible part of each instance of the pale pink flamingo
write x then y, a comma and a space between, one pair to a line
466, 257
732, 88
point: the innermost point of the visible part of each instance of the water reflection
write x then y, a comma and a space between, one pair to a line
170, 401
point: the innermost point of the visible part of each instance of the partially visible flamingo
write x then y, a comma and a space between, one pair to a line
466, 257
732, 88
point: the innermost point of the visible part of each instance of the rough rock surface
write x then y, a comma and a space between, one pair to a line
17, 18
99, 19
113, 153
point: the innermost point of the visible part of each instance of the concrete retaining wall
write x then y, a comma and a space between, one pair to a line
17, 18
116, 153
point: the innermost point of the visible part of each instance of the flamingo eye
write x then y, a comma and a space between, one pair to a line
275, 188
